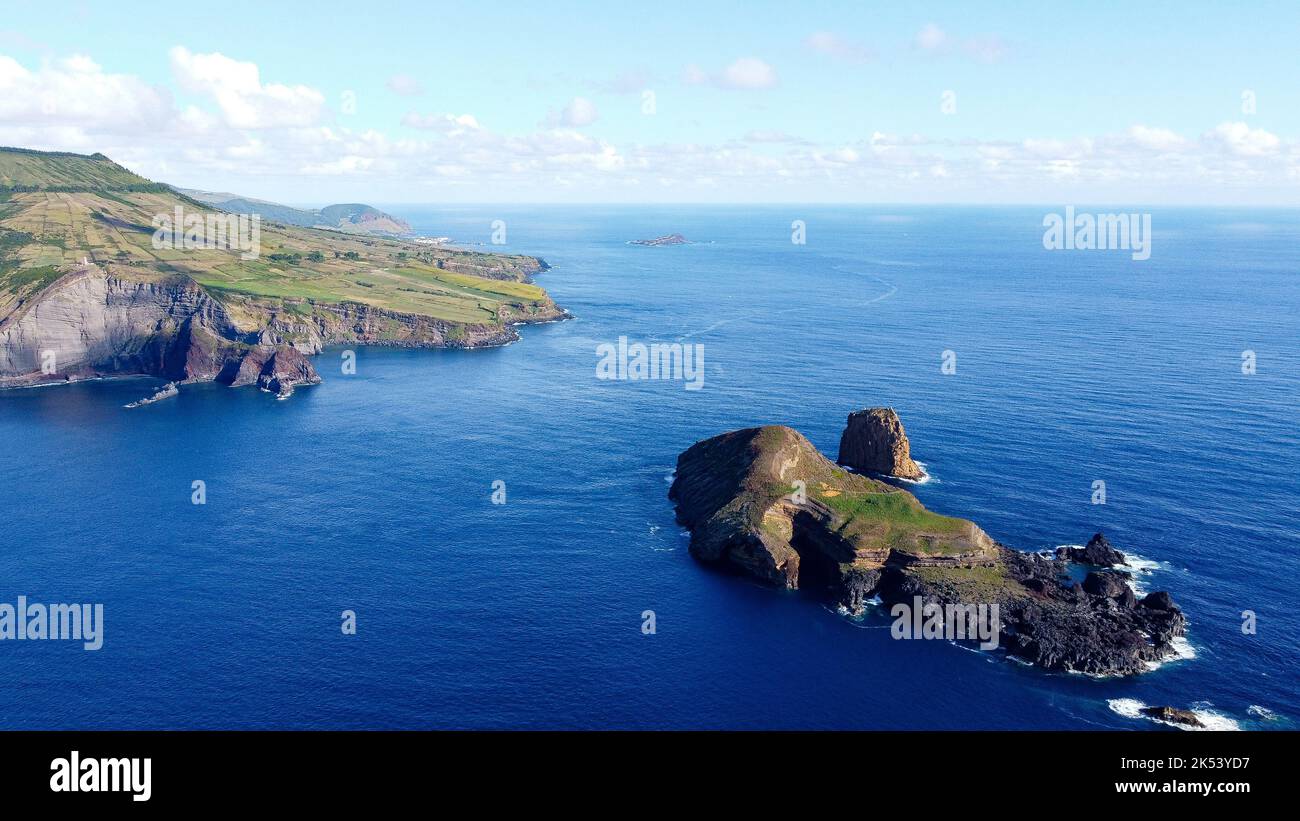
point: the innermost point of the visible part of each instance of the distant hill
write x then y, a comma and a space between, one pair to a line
348, 217
23, 169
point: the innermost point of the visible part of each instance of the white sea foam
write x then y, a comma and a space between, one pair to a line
1183, 651
1203, 710
1127, 707
926, 478
1261, 712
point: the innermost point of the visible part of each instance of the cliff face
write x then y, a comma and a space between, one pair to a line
874, 442
91, 324
764, 502
96, 323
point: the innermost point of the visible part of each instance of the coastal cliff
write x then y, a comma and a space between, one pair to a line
104, 273
89, 324
764, 502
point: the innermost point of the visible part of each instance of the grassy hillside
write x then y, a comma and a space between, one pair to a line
66, 208
22, 168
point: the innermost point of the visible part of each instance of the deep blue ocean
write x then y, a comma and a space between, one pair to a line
373, 492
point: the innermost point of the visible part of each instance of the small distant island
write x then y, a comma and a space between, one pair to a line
666, 239
766, 503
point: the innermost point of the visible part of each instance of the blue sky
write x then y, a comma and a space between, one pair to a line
905, 102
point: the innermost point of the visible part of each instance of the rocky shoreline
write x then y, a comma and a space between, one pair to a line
765, 503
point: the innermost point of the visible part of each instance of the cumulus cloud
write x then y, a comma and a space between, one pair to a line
445, 123
745, 74
77, 92
75, 104
405, 85
1242, 140
1156, 139
237, 89
833, 45
578, 113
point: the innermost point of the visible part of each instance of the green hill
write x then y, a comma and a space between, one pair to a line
23, 169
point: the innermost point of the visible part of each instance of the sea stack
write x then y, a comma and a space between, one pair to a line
874, 442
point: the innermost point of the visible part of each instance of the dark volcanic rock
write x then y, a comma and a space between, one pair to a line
278, 369
286, 369
1109, 585
1098, 553
874, 442
1173, 715
1159, 600
764, 502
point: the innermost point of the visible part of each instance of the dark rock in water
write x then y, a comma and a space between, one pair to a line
278, 369
286, 369
1109, 585
1173, 716
1159, 600
874, 442
1098, 553
165, 392
666, 239
764, 502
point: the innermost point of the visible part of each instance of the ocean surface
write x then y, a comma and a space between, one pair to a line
373, 492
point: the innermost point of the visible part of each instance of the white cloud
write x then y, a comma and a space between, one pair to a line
237, 89
1156, 139
578, 113
931, 38
745, 74
833, 45
1242, 140
405, 85
445, 123
76, 92
748, 73
204, 146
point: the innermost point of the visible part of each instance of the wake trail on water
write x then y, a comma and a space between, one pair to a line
892, 289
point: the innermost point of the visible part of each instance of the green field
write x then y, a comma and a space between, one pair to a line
896, 519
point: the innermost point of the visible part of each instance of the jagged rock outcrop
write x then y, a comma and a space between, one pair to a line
165, 392
874, 442
764, 502
1173, 715
1098, 553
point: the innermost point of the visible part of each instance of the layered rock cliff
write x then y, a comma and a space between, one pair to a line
92, 324
95, 322
764, 502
